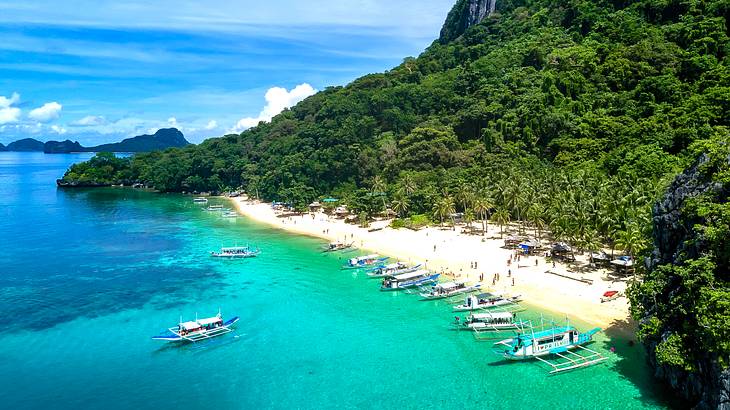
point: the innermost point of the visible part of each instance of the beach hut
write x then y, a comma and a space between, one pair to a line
529, 246
315, 206
511, 241
341, 211
600, 258
623, 265
562, 250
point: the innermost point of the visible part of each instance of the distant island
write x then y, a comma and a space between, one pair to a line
162, 139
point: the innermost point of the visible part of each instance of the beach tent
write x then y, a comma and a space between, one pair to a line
329, 200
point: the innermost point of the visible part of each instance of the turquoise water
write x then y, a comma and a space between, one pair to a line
89, 275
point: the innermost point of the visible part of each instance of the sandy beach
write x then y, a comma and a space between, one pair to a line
453, 253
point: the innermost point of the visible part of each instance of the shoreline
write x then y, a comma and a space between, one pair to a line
453, 254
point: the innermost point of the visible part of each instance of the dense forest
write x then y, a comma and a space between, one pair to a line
571, 116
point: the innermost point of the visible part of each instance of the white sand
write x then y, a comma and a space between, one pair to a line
456, 251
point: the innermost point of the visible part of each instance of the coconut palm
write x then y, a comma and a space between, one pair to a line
400, 204
443, 208
502, 217
482, 205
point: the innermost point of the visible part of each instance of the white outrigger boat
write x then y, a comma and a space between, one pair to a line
236, 252
198, 329
392, 269
230, 214
410, 280
365, 261
216, 208
486, 301
200, 200
337, 246
449, 289
557, 342
490, 321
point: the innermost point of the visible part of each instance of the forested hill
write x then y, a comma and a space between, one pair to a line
568, 115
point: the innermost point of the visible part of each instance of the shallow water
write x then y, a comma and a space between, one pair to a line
89, 275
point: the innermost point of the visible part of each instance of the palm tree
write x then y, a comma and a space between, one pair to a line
535, 215
378, 188
631, 240
482, 205
408, 184
465, 195
443, 208
501, 216
400, 204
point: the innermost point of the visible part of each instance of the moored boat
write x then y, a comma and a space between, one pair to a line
230, 214
392, 269
565, 343
409, 280
486, 301
449, 289
496, 321
337, 246
216, 208
236, 252
200, 200
198, 329
365, 261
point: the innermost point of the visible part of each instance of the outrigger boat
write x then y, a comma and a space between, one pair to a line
557, 341
236, 252
410, 280
365, 261
337, 246
392, 269
200, 200
495, 321
486, 301
216, 208
230, 214
198, 329
449, 289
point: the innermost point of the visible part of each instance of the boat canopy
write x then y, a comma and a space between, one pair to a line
449, 285
484, 296
189, 325
363, 258
411, 275
495, 315
234, 248
209, 320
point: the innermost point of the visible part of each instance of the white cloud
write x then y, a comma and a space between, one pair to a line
8, 113
58, 130
47, 112
277, 99
172, 121
211, 124
89, 121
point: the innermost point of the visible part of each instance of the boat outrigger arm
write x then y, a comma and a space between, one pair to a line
573, 360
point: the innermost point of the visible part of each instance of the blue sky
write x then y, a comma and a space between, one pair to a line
97, 71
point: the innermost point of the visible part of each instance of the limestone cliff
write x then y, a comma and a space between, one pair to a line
463, 15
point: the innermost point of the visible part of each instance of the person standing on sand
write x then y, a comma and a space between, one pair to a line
513, 281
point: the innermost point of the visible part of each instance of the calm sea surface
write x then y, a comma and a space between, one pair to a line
87, 276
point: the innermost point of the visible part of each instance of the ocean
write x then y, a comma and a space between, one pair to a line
89, 275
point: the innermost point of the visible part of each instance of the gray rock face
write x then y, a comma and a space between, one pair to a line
466, 13
674, 242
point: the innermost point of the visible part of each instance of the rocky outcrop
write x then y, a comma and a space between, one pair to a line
26, 145
162, 139
463, 15
62, 147
2, 147
676, 241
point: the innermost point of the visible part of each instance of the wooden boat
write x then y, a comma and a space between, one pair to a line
200, 200
236, 252
216, 208
337, 246
392, 269
198, 329
449, 289
555, 342
490, 321
417, 278
365, 261
610, 295
486, 301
